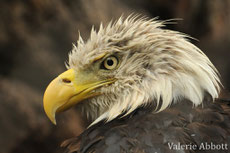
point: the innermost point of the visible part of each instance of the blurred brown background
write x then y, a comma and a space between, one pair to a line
36, 36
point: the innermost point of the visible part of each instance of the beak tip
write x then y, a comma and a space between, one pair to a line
54, 122
51, 115
53, 119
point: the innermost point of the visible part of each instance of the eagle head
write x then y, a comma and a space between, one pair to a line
130, 63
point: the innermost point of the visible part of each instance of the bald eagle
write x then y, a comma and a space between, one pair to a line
143, 89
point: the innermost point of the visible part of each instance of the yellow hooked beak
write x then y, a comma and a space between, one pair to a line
68, 89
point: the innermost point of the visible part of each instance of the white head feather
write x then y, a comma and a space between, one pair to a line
156, 64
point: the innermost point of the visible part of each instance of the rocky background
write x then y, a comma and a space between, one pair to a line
36, 36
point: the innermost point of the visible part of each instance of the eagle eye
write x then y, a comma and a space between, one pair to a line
110, 63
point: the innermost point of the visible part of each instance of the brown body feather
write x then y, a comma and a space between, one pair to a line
145, 132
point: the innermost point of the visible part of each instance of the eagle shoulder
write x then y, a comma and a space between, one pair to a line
143, 131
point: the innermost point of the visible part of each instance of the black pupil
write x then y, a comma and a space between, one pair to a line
109, 62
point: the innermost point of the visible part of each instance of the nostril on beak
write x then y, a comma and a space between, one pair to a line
65, 80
